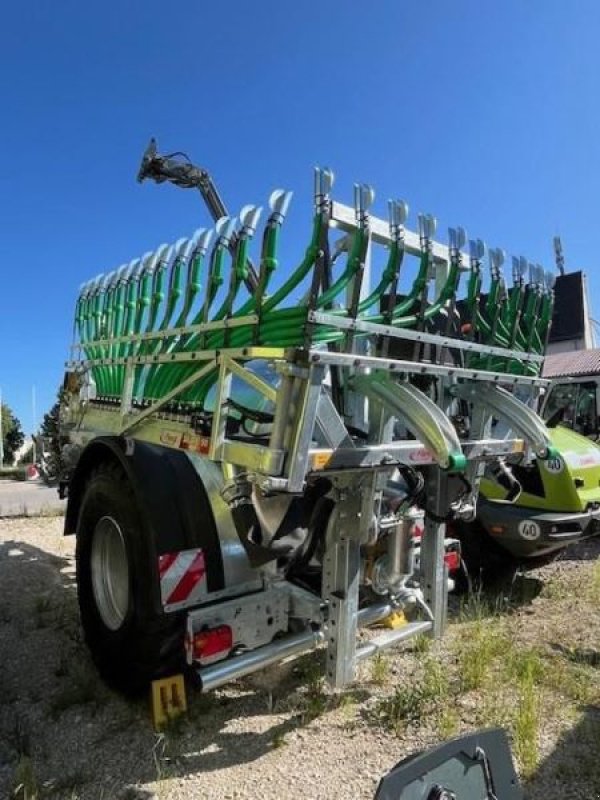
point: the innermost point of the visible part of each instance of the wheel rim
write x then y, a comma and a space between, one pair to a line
110, 572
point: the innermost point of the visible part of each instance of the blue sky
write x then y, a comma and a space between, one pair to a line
486, 114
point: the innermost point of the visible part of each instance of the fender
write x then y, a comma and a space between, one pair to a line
171, 499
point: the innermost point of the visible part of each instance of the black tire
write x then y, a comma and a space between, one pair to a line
133, 648
487, 563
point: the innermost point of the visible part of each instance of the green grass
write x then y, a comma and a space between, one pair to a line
415, 698
476, 651
594, 585
380, 669
421, 644
448, 721
278, 740
527, 716
25, 785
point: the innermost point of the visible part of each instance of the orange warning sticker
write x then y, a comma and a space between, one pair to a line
194, 443
320, 460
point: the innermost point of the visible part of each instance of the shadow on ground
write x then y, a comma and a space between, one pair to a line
62, 730
573, 766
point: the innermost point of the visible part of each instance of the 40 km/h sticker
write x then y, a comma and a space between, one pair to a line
554, 465
529, 529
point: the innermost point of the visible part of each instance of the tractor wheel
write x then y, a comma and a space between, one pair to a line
130, 642
487, 563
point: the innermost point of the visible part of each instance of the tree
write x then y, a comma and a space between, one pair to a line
49, 445
12, 434
50, 423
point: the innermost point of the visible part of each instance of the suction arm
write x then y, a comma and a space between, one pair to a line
177, 168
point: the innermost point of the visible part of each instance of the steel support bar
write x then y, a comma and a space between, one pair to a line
347, 323
434, 573
392, 638
341, 575
420, 368
302, 434
130, 424
212, 677
168, 333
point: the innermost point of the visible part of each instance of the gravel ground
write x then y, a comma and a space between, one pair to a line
279, 734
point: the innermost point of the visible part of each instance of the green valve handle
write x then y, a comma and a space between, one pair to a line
552, 454
457, 462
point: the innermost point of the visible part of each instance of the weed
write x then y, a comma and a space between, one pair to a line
476, 652
572, 680
380, 669
526, 723
164, 763
316, 700
448, 720
556, 589
24, 781
347, 705
594, 585
278, 740
412, 701
478, 606
522, 664
421, 644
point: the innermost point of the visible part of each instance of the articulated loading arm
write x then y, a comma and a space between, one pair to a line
186, 175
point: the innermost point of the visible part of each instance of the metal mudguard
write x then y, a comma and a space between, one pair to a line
474, 767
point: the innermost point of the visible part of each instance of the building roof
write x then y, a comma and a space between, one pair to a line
577, 362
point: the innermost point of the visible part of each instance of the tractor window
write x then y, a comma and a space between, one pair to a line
586, 417
573, 405
560, 405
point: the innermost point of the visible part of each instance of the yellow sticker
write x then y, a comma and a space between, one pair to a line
320, 460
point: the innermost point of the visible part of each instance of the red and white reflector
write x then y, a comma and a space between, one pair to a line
182, 578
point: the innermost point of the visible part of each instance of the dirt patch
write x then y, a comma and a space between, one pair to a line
528, 659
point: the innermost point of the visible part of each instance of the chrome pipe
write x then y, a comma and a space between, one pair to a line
371, 614
229, 670
391, 638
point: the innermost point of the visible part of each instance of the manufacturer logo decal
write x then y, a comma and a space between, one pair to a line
170, 438
421, 456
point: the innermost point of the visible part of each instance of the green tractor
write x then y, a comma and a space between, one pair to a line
529, 510
527, 513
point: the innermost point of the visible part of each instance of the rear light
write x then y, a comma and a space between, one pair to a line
497, 529
212, 644
452, 560
417, 532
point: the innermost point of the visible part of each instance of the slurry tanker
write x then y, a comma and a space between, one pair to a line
256, 451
